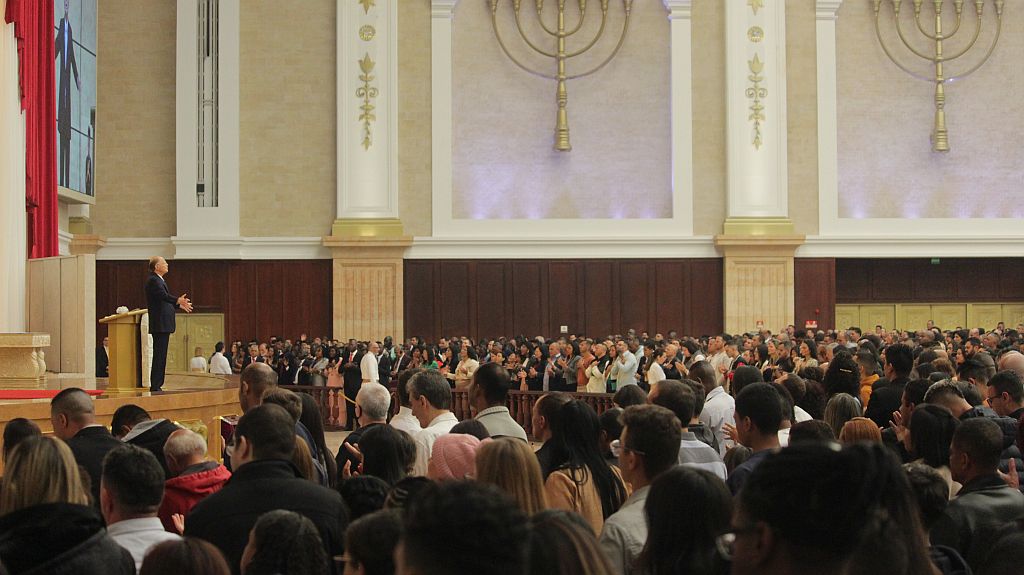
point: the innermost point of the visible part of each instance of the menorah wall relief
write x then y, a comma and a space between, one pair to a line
560, 33
937, 38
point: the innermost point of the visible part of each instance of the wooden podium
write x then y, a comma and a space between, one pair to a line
125, 350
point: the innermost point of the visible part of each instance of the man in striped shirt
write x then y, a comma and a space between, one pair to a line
679, 398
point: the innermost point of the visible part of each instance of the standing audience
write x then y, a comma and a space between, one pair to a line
73, 417
650, 446
192, 478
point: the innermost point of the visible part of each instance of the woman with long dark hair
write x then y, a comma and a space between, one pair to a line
687, 509
534, 368
582, 480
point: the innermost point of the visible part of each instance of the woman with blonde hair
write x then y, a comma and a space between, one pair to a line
841, 408
42, 497
860, 429
511, 465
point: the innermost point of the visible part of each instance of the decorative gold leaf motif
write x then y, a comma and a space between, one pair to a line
367, 4
367, 32
368, 92
755, 5
756, 93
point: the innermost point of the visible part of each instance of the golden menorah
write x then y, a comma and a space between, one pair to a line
937, 56
561, 34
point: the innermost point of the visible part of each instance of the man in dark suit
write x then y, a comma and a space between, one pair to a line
161, 317
64, 50
103, 359
265, 479
74, 421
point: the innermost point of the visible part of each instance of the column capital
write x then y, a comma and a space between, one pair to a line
827, 9
442, 8
679, 9
369, 246
87, 244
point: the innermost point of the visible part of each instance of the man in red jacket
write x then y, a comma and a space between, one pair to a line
192, 477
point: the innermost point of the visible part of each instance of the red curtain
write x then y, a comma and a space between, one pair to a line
33, 28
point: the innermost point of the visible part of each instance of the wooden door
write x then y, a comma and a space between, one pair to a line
201, 330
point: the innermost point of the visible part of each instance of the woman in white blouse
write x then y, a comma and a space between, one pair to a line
656, 373
467, 367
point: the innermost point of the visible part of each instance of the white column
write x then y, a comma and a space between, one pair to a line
756, 107
828, 123
207, 232
680, 23
441, 13
13, 249
367, 45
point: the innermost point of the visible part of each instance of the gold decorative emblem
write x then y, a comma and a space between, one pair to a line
939, 55
367, 4
755, 5
756, 93
755, 34
561, 53
368, 92
367, 32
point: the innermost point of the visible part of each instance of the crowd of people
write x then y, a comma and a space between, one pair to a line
832, 453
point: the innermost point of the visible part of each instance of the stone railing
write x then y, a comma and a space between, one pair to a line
520, 404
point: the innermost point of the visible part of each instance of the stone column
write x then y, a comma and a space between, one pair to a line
367, 240
367, 120
368, 289
758, 242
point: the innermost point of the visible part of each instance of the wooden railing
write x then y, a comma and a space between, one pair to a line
520, 404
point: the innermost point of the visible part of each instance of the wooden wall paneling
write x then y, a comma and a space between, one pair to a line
300, 295
493, 300
419, 298
892, 280
634, 296
322, 282
242, 307
454, 284
564, 303
270, 304
853, 280
1010, 278
670, 299
597, 298
814, 290
526, 296
706, 309
935, 282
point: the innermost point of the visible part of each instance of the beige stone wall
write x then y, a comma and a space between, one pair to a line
709, 118
135, 119
504, 166
414, 116
802, 115
288, 116
886, 166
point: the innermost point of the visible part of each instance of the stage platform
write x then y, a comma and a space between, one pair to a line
193, 399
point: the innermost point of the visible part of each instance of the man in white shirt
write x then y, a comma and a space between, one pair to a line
131, 489
625, 366
719, 359
368, 365
649, 446
719, 406
431, 399
404, 420
198, 362
218, 363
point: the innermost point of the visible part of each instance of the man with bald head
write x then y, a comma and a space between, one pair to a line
192, 478
161, 306
74, 420
256, 380
1012, 360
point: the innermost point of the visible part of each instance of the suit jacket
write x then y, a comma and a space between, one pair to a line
102, 362
89, 446
161, 305
226, 517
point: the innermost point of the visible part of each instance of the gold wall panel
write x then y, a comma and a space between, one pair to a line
984, 315
872, 315
915, 316
949, 316
194, 330
847, 316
